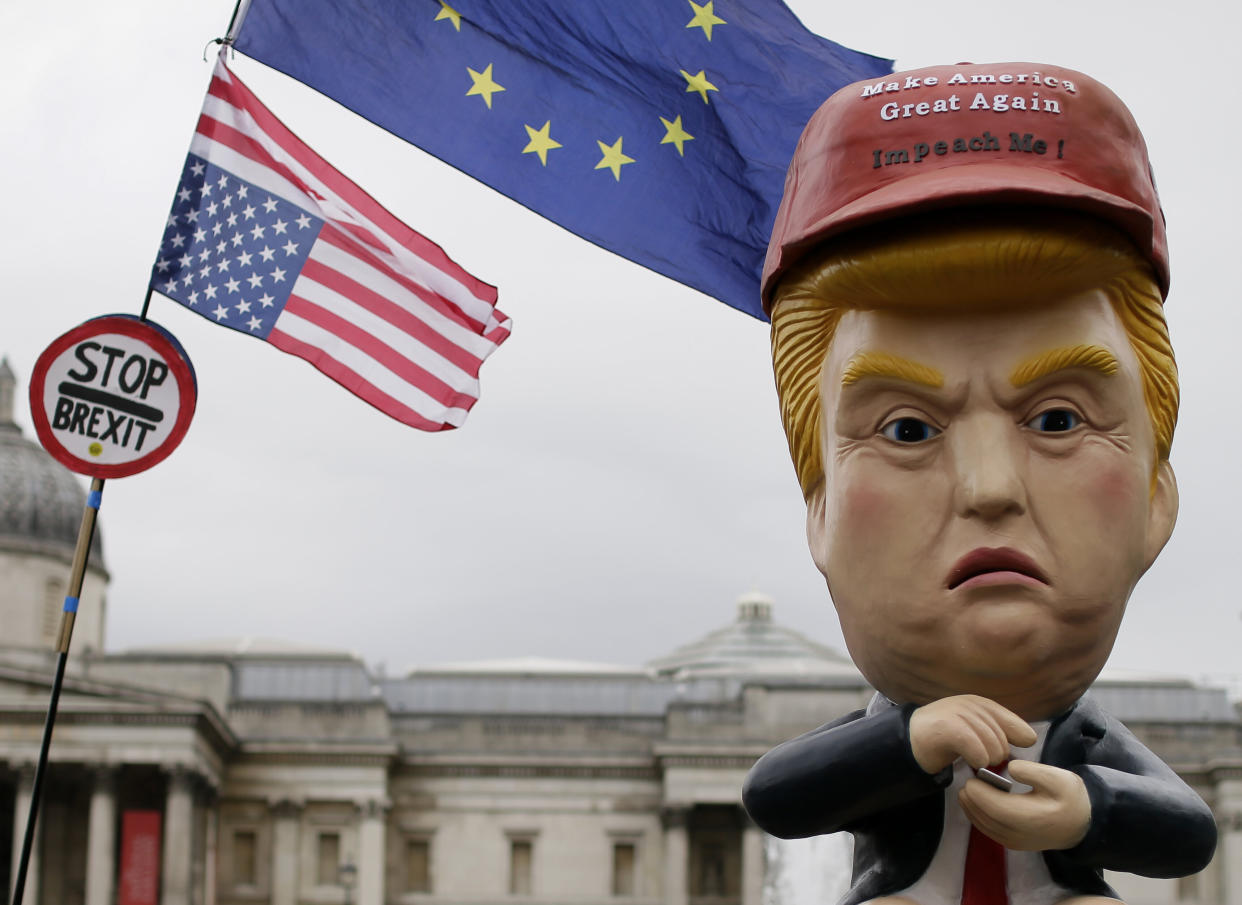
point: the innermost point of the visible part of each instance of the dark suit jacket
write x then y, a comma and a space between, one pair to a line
858, 774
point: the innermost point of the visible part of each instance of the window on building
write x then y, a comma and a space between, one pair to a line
712, 870
418, 865
244, 859
53, 605
623, 857
328, 859
520, 857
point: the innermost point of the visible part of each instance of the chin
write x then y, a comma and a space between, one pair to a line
1006, 658
1034, 691
1034, 686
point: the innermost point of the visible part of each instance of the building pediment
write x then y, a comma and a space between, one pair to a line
105, 722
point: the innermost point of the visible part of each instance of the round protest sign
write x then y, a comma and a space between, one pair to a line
113, 396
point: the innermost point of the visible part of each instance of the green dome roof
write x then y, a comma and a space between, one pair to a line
40, 500
754, 644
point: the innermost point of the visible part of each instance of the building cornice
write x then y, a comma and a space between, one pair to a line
203, 720
680, 753
1223, 769
639, 767
60, 553
374, 753
532, 771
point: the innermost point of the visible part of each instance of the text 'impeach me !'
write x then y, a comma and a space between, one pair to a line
113, 396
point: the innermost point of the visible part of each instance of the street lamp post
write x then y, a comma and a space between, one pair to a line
346, 875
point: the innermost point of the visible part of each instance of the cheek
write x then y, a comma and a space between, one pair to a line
864, 504
860, 508
877, 512
1113, 492
1098, 520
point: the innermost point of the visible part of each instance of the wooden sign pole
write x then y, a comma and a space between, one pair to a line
81, 555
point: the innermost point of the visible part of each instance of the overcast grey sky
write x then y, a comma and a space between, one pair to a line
624, 477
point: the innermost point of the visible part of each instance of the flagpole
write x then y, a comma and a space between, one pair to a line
81, 555
234, 21
146, 303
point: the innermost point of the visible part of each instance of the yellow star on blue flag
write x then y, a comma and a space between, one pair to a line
710, 98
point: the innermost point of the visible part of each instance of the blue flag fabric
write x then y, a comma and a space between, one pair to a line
658, 129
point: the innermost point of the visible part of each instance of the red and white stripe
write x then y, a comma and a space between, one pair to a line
378, 307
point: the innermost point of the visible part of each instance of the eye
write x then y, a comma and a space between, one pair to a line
908, 430
1055, 421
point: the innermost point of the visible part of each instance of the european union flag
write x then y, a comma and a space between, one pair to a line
658, 129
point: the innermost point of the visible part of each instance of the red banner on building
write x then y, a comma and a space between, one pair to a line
140, 858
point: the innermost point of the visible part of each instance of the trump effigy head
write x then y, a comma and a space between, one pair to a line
966, 282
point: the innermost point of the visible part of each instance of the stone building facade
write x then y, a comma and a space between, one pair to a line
276, 774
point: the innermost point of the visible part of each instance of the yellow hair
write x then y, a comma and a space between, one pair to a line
884, 365
984, 261
1081, 356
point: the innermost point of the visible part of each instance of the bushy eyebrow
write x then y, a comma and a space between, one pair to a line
881, 364
1093, 357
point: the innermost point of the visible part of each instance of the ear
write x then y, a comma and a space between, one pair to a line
1162, 513
817, 528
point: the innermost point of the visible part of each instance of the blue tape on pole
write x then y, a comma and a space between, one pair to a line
94, 498
71, 604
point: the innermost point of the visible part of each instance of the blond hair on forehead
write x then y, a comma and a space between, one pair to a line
984, 261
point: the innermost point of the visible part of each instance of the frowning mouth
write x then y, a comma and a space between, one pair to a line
995, 565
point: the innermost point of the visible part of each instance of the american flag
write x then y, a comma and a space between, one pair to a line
265, 237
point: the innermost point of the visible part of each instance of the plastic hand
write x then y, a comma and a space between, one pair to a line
1056, 814
976, 729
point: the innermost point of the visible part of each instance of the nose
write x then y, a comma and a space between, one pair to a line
989, 465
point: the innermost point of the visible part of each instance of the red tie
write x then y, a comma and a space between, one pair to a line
984, 880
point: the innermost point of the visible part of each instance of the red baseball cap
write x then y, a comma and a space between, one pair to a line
966, 135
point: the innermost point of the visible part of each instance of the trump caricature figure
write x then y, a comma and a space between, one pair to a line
966, 281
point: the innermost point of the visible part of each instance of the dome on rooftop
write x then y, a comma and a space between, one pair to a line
754, 644
40, 500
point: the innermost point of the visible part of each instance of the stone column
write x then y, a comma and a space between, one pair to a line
210, 831
101, 838
371, 851
286, 823
178, 837
1229, 825
200, 863
21, 807
752, 864
1229, 857
676, 855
